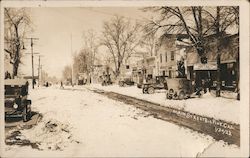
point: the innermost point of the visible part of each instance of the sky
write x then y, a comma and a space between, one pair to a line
54, 28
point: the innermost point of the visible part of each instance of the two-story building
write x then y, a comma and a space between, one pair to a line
168, 54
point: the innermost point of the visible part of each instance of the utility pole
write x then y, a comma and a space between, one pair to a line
32, 57
218, 58
41, 73
39, 66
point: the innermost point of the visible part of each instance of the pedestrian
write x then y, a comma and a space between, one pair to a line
7, 75
210, 82
61, 85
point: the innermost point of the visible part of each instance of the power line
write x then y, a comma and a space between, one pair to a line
99, 12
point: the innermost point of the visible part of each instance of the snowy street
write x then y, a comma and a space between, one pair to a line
83, 123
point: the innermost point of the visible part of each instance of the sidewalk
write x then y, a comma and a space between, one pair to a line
221, 108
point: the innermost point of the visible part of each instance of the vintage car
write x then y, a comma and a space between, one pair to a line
179, 88
139, 82
151, 85
106, 80
126, 81
15, 99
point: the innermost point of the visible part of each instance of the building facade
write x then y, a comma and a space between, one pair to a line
229, 67
169, 53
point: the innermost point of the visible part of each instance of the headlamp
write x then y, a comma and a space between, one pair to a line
15, 106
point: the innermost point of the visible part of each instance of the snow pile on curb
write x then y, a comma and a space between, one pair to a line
50, 134
208, 105
82, 123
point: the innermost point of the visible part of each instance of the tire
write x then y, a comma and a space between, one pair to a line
121, 84
25, 114
144, 90
181, 95
168, 96
29, 115
151, 90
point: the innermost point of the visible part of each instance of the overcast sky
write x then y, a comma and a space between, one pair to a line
54, 26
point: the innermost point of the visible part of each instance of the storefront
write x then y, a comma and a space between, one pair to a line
229, 69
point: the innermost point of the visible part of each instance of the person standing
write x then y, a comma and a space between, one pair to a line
61, 84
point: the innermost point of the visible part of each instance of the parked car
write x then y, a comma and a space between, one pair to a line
151, 85
139, 82
15, 99
179, 88
126, 81
106, 80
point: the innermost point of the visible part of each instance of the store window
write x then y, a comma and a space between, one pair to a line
166, 56
170, 74
172, 55
163, 73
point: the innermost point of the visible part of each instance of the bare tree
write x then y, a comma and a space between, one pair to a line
90, 46
178, 20
84, 61
81, 62
16, 23
198, 23
67, 73
149, 43
224, 18
121, 38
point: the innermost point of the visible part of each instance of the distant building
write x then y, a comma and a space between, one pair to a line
145, 69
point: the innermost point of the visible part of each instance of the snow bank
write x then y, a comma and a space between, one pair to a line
208, 105
103, 127
50, 134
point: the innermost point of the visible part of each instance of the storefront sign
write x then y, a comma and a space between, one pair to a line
208, 66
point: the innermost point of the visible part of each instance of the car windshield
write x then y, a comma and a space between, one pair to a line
9, 90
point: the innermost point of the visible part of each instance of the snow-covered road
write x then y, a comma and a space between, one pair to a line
82, 123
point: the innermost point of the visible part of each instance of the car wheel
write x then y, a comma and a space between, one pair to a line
29, 115
151, 90
121, 84
169, 96
25, 114
181, 95
144, 90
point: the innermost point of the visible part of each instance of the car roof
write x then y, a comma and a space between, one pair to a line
13, 82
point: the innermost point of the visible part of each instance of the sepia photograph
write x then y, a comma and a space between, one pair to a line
127, 79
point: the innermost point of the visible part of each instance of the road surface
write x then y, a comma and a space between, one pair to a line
84, 123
